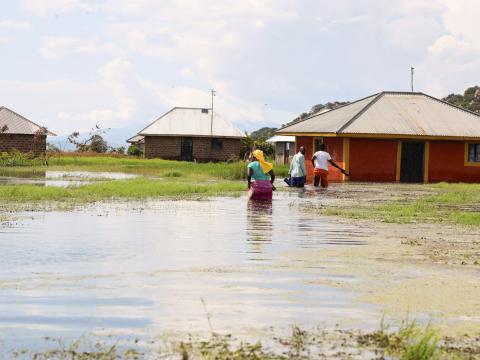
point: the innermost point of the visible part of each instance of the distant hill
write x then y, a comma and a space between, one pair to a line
317, 109
263, 133
470, 99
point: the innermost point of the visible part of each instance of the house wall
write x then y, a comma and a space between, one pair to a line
169, 147
165, 147
447, 163
373, 159
280, 152
23, 142
202, 150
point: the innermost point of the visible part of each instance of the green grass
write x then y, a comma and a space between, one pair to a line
449, 203
139, 188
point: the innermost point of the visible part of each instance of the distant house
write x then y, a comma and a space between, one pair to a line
192, 134
395, 136
138, 141
284, 148
19, 133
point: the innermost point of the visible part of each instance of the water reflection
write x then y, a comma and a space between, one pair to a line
259, 224
138, 268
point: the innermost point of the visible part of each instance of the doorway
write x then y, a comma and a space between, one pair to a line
413, 156
186, 153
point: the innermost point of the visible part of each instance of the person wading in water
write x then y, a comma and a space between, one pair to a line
320, 162
263, 176
297, 172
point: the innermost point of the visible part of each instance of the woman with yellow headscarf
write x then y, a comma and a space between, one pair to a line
263, 176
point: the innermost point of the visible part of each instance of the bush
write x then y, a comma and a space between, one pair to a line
134, 150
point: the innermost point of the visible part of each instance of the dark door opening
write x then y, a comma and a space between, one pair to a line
413, 153
186, 153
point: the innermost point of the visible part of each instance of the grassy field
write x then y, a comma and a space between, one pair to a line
158, 178
446, 203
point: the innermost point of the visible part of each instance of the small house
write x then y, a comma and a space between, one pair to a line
192, 134
284, 148
395, 136
19, 133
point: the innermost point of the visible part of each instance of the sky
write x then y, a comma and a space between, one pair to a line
73, 64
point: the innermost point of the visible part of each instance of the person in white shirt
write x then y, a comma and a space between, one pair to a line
320, 161
297, 174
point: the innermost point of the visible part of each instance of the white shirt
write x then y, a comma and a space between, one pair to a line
321, 160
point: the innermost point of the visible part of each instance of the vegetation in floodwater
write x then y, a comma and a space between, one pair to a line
138, 188
449, 203
409, 341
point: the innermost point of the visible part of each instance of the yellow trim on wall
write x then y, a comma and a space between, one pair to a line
399, 161
465, 161
386, 136
426, 161
346, 157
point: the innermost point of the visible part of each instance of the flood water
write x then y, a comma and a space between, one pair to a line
137, 270
59, 178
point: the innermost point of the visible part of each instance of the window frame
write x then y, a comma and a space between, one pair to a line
216, 141
469, 162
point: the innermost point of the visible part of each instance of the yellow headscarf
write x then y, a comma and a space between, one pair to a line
266, 166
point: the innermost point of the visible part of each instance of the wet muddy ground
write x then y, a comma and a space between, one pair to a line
126, 271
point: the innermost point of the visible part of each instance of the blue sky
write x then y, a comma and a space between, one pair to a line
74, 64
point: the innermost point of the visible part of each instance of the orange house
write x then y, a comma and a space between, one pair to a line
395, 136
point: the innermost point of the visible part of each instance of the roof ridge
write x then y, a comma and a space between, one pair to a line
325, 112
452, 105
28, 120
362, 111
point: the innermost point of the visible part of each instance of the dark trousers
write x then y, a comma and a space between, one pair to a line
295, 181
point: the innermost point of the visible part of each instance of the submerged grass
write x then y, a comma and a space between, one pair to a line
408, 342
449, 203
138, 188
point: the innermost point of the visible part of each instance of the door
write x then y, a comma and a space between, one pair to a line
413, 154
186, 153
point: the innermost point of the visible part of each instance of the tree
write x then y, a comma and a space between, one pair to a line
94, 141
470, 100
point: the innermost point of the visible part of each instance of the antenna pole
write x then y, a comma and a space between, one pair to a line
412, 70
211, 115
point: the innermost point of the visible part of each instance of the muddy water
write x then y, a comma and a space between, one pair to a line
142, 269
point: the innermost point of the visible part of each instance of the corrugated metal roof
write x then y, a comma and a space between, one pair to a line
280, 138
330, 121
13, 123
136, 139
395, 113
191, 122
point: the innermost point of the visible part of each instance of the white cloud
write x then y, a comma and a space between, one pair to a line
46, 7
55, 47
14, 25
187, 72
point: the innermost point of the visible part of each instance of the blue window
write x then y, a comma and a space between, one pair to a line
473, 152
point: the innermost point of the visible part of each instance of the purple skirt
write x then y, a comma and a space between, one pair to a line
260, 190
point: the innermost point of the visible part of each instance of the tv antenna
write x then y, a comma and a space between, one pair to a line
412, 71
214, 93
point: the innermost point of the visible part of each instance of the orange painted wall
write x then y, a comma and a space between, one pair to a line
447, 163
373, 160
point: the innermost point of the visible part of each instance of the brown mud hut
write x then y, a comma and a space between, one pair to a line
192, 134
395, 136
19, 133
